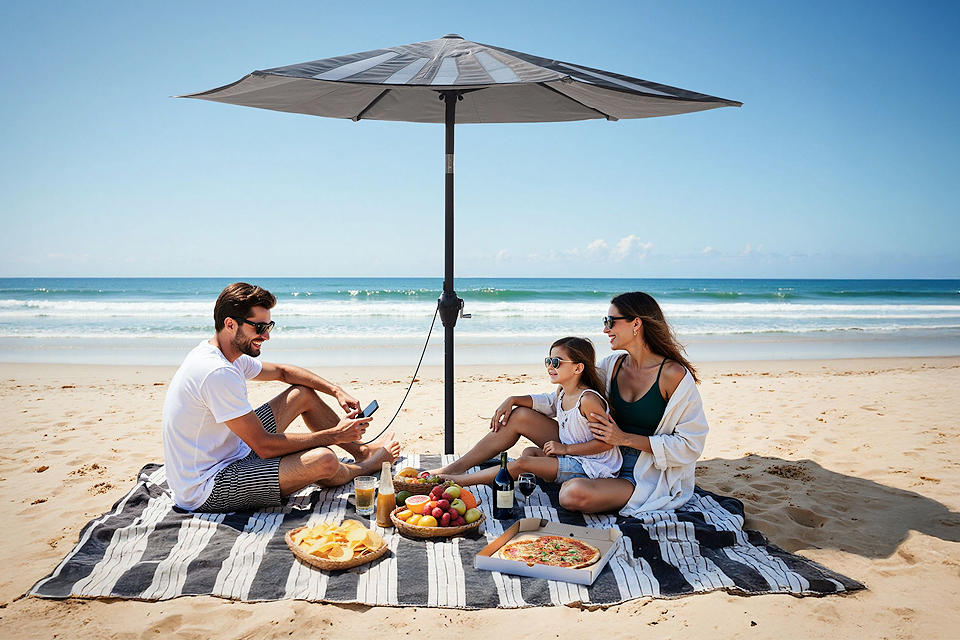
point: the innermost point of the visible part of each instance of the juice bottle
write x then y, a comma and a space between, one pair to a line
386, 498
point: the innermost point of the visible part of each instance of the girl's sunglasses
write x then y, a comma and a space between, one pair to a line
553, 362
262, 328
609, 320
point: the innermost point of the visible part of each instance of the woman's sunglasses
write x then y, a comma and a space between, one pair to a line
553, 362
262, 328
609, 320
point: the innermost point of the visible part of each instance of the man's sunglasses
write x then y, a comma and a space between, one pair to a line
262, 328
554, 362
609, 320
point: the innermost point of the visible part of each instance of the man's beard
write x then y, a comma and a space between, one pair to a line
245, 345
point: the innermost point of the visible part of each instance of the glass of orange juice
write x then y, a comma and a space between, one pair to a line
364, 490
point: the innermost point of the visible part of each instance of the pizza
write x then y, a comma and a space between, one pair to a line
555, 551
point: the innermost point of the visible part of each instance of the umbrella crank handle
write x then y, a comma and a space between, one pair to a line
462, 314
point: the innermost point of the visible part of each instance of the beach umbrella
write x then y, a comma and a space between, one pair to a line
454, 81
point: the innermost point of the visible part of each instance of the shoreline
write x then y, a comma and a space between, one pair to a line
849, 462
394, 352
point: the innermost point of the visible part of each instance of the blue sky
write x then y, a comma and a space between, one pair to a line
843, 161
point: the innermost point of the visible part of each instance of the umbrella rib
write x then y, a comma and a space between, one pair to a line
585, 106
367, 108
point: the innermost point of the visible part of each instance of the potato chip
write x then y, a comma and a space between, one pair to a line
373, 540
341, 553
351, 524
357, 534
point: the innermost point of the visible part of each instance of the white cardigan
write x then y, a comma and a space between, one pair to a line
665, 478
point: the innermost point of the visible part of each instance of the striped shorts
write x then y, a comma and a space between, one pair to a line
250, 483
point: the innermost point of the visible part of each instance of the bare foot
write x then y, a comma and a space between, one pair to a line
386, 441
464, 480
452, 469
389, 452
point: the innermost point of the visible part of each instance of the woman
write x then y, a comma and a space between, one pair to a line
658, 420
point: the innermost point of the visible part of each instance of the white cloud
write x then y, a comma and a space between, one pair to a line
597, 250
503, 256
630, 247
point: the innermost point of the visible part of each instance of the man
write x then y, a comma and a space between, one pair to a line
221, 454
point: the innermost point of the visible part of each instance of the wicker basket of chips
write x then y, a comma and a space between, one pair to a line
416, 531
336, 547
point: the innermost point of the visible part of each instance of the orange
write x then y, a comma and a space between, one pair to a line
427, 521
416, 503
468, 498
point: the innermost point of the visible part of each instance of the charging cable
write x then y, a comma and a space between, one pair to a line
412, 380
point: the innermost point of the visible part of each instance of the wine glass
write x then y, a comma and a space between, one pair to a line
526, 484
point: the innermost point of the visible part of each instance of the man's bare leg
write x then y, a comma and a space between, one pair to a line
321, 466
318, 416
523, 422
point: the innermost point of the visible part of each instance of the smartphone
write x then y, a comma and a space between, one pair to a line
366, 413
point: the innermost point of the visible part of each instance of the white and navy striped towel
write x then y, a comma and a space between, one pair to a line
147, 549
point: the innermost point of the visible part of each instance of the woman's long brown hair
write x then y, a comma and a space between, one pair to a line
581, 351
657, 333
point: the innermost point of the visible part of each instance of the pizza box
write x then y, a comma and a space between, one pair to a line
603, 539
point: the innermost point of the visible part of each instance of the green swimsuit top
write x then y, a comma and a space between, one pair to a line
642, 416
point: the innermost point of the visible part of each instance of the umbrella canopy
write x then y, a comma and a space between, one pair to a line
475, 83
499, 85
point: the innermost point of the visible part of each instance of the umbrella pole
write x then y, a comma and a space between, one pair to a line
450, 304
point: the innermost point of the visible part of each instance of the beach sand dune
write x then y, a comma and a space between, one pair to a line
852, 463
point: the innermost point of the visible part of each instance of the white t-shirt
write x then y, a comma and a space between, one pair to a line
206, 391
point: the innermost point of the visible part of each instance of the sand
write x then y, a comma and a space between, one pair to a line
852, 463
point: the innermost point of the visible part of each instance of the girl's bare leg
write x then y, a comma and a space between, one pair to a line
523, 422
539, 464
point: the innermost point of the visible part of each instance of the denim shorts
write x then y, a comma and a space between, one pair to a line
630, 456
569, 468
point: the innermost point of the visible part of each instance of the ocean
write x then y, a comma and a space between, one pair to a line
384, 321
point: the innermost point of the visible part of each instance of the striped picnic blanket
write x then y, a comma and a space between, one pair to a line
145, 548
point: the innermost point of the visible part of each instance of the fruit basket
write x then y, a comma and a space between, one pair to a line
404, 483
416, 531
334, 565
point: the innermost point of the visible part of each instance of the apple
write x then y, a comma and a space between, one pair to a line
437, 513
471, 516
459, 522
459, 505
424, 474
436, 492
445, 520
443, 504
451, 492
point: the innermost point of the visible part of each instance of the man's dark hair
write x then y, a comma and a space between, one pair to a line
238, 299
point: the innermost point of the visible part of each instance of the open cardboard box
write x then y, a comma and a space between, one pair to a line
603, 539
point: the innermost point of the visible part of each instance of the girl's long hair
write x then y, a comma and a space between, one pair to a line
658, 335
581, 351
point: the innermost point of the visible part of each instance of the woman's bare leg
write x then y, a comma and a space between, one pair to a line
599, 495
523, 422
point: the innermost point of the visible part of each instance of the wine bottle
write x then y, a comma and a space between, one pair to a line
503, 491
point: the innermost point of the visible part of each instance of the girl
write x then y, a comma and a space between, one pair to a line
567, 448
